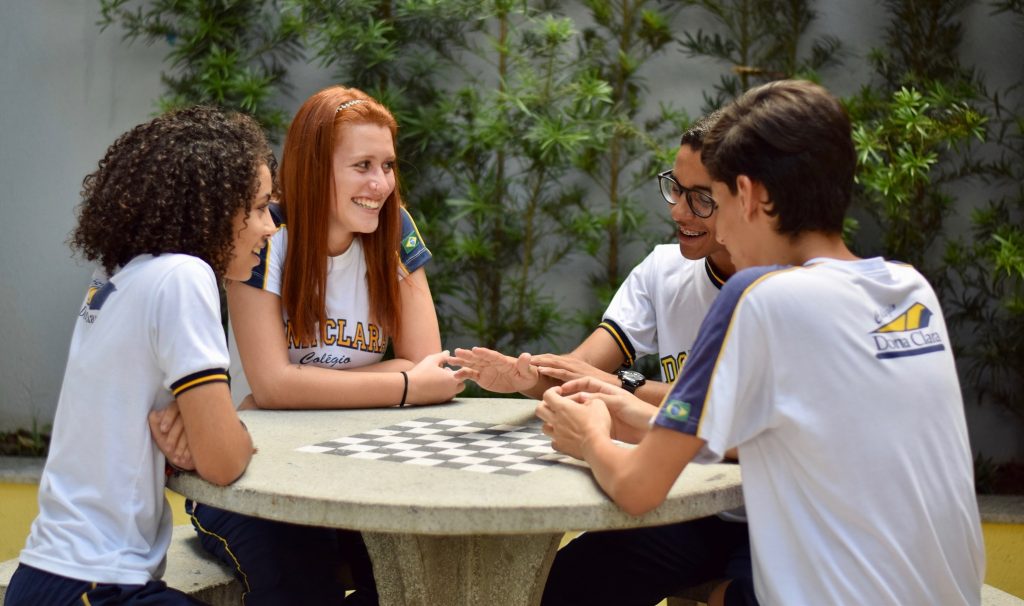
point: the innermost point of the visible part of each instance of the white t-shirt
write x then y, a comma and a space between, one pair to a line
660, 306
836, 381
151, 331
352, 338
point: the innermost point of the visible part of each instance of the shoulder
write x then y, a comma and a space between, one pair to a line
665, 260
170, 277
277, 212
667, 255
178, 265
279, 240
184, 271
280, 237
412, 250
755, 281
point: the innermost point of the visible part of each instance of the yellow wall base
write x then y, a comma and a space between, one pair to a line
20, 506
1004, 554
1004, 543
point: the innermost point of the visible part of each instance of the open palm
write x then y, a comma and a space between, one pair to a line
494, 371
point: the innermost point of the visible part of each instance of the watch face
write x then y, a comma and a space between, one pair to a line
632, 376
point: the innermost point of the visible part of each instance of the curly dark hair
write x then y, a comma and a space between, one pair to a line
172, 185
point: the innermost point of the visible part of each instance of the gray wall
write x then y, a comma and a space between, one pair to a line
67, 90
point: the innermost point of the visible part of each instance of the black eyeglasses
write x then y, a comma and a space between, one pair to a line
700, 203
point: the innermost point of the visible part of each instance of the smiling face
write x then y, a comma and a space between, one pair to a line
364, 178
252, 230
696, 236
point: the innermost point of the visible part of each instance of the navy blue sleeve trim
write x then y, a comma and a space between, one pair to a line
210, 375
412, 251
258, 279
684, 405
625, 346
716, 280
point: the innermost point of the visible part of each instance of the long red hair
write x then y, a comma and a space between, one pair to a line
306, 179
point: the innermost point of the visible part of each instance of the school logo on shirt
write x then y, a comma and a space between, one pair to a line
95, 297
906, 334
337, 335
677, 410
410, 242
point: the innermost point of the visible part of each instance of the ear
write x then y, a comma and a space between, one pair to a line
752, 197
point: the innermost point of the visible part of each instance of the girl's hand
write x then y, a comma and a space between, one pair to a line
430, 382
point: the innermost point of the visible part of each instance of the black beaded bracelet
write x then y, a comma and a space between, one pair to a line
405, 389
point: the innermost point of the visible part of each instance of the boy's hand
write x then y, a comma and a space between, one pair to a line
168, 432
566, 368
495, 371
631, 416
572, 424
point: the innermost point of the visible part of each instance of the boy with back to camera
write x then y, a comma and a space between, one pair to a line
833, 375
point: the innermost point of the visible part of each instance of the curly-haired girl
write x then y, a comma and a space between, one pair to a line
177, 204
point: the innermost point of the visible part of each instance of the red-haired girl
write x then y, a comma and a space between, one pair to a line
342, 278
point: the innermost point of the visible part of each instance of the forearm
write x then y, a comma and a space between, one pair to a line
392, 365
638, 479
543, 384
621, 479
312, 387
231, 460
653, 392
219, 443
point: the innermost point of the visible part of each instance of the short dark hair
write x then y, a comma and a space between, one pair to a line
793, 137
694, 136
172, 185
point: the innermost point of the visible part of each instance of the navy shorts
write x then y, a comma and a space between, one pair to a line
32, 587
279, 563
641, 566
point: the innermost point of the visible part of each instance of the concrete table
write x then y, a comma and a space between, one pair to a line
438, 536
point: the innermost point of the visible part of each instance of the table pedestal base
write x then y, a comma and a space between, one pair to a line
474, 570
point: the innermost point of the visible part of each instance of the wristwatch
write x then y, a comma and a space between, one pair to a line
631, 379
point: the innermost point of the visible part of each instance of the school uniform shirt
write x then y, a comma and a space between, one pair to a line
351, 339
151, 331
660, 306
836, 381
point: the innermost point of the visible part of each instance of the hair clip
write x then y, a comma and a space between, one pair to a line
348, 104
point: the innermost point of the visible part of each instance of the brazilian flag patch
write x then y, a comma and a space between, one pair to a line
677, 410
410, 242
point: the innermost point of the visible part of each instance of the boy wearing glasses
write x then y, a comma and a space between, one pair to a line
657, 310
832, 375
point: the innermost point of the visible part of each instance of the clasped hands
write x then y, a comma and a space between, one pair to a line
587, 406
585, 410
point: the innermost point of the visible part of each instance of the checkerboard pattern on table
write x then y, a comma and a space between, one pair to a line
510, 450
